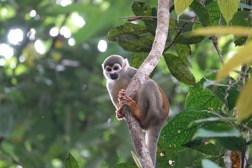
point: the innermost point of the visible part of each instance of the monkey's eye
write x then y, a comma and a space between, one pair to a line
115, 68
108, 69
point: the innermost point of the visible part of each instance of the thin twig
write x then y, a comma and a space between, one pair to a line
215, 43
133, 18
176, 36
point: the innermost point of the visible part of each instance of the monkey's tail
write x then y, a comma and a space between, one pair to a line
152, 135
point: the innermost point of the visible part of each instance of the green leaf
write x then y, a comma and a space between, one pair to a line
132, 37
228, 8
138, 58
206, 163
179, 69
144, 9
216, 129
201, 12
141, 9
206, 148
187, 38
183, 51
244, 102
240, 41
127, 28
141, 44
180, 6
241, 18
223, 90
214, 13
201, 98
178, 131
71, 162
209, 95
233, 143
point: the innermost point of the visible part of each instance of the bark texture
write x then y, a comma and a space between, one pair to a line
141, 76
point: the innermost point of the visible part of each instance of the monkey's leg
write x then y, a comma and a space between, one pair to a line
123, 99
151, 138
150, 103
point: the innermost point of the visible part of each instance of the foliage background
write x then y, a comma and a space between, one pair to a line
53, 102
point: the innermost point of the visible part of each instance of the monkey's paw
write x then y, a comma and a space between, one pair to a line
123, 99
119, 114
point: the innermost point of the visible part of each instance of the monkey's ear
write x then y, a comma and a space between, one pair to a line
125, 63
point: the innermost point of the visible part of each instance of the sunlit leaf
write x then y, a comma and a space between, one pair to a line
206, 163
244, 102
228, 8
243, 56
180, 6
235, 30
71, 162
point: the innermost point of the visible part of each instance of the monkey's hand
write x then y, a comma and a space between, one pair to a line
119, 113
125, 100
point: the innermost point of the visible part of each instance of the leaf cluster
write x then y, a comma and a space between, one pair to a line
208, 125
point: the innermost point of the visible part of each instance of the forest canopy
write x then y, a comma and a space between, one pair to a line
54, 107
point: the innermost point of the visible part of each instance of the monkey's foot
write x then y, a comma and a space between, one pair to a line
123, 99
126, 100
119, 114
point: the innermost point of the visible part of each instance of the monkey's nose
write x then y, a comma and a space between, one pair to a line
114, 76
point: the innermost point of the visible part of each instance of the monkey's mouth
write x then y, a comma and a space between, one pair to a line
114, 76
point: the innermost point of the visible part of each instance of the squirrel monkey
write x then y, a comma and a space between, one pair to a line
150, 107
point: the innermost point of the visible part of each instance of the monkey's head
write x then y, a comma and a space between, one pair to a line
114, 66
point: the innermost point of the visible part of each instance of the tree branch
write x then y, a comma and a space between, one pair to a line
141, 76
215, 43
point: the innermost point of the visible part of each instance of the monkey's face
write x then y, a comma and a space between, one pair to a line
114, 67
112, 72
